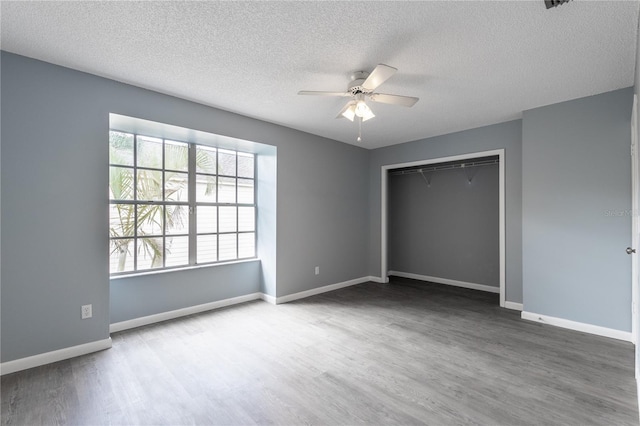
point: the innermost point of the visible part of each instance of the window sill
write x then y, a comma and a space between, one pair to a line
181, 269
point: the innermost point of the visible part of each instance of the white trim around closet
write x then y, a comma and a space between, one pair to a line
384, 182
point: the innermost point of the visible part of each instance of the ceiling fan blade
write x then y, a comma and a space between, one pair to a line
383, 98
307, 92
378, 76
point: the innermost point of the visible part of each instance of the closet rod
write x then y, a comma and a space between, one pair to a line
446, 167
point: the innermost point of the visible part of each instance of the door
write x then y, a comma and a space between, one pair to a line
635, 229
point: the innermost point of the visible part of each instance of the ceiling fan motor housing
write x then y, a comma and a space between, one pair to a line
357, 79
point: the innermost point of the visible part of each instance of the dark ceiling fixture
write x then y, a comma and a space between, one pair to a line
554, 3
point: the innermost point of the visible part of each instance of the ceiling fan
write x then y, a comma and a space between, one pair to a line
362, 87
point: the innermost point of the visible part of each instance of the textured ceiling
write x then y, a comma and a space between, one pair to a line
470, 63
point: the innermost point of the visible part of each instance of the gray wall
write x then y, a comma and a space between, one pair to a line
54, 174
576, 219
505, 135
202, 285
54, 179
447, 228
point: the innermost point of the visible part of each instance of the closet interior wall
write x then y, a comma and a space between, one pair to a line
444, 221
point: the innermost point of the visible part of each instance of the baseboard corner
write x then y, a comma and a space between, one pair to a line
513, 306
268, 298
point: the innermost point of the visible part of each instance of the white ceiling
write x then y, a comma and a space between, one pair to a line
470, 63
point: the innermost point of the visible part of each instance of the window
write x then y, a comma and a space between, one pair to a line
176, 204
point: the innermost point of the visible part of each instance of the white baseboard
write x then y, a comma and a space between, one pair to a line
268, 298
376, 279
74, 351
446, 281
53, 356
578, 326
319, 290
164, 316
513, 305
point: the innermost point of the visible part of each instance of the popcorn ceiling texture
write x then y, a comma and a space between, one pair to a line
470, 63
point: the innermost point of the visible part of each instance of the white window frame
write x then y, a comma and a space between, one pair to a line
192, 204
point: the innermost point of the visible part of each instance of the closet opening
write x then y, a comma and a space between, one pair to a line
443, 221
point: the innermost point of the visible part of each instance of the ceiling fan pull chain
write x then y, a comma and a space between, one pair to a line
359, 129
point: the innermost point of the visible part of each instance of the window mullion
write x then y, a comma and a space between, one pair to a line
255, 208
164, 207
237, 212
135, 202
217, 209
192, 205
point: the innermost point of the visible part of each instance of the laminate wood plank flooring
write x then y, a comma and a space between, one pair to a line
402, 353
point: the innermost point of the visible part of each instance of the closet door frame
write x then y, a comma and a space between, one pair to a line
384, 179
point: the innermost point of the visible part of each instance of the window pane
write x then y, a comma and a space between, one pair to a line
176, 186
148, 172
226, 190
149, 253
205, 188
120, 255
207, 219
245, 191
120, 183
206, 160
228, 246
149, 152
121, 220
177, 219
121, 148
246, 219
227, 219
149, 185
245, 165
176, 156
246, 245
150, 219
207, 248
177, 251
226, 163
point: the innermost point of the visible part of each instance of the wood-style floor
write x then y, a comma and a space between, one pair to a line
372, 354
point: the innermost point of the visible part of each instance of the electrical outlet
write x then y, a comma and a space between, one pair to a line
317, 270
87, 311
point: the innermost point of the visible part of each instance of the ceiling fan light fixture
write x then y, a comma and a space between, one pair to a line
349, 112
361, 108
363, 111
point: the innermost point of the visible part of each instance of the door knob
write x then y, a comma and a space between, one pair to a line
630, 250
